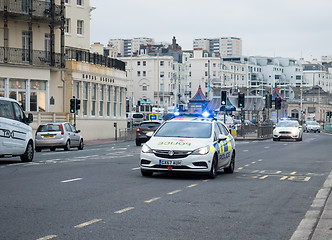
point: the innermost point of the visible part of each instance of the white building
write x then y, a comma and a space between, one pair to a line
128, 47
225, 46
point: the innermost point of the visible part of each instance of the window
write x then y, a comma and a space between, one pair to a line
6, 109
67, 2
47, 47
85, 98
101, 101
94, 99
162, 74
144, 63
80, 27
138, 73
120, 104
108, 101
138, 63
114, 101
79, 2
144, 88
67, 25
162, 63
26, 46
144, 73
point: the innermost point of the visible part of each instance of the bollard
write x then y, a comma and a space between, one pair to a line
116, 131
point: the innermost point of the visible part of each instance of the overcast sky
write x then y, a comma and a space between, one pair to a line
286, 28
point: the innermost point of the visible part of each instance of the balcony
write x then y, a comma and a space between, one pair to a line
81, 55
162, 93
36, 58
39, 10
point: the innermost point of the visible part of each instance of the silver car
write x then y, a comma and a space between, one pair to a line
58, 135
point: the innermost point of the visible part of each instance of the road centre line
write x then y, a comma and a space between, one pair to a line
87, 223
245, 150
72, 180
47, 237
124, 210
152, 200
192, 185
176, 191
253, 162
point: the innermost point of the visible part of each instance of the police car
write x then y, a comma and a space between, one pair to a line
287, 129
189, 143
16, 138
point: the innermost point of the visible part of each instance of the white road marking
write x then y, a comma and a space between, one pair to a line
87, 223
192, 185
124, 210
152, 200
245, 150
137, 168
176, 191
267, 147
47, 237
71, 180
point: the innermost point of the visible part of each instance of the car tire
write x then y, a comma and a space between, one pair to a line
38, 149
81, 145
274, 139
146, 173
318, 131
230, 168
138, 143
213, 172
27, 156
67, 146
52, 149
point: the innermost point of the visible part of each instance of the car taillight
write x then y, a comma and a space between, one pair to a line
38, 129
137, 129
62, 131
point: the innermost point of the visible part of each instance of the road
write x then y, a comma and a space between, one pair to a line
99, 193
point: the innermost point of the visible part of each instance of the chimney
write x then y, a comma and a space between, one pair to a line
173, 43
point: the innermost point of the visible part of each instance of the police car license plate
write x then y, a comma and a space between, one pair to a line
170, 162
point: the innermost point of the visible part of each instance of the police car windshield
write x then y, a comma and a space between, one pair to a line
288, 124
185, 130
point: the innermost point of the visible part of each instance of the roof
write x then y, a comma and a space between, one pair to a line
199, 97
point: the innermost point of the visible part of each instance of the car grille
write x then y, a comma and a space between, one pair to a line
285, 132
168, 154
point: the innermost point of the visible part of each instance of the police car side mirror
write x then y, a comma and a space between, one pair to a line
149, 134
222, 137
30, 118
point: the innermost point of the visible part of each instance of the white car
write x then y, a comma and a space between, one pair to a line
287, 129
311, 126
189, 144
16, 138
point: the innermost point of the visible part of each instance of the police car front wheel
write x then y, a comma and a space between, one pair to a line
213, 171
146, 173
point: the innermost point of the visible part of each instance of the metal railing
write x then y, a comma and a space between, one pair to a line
39, 9
259, 131
81, 55
26, 57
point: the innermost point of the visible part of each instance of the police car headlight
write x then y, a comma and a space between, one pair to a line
146, 149
201, 151
295, 131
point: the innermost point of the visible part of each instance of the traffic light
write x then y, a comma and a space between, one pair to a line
78, 104
278, 103
328, 114
223, 98
268, 101
73, 105
240, 102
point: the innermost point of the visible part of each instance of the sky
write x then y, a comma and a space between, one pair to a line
272, 28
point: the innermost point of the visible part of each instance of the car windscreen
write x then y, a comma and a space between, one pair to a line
185, 130
49, 128
138, 116
288, 124
312, 123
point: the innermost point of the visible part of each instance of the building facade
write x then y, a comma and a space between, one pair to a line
225, 46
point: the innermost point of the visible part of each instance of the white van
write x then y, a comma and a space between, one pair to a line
16, 138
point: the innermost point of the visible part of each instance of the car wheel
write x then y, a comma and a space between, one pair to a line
274, 139
213, 171
38, 149
81, 145
67, 146
27, 156
230, 168
318, 131
146, 173
52, 149
138, 143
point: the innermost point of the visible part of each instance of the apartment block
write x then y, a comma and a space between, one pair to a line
225, 46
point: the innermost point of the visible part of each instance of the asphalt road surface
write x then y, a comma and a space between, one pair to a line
99, 193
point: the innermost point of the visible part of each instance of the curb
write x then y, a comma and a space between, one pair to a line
316, 224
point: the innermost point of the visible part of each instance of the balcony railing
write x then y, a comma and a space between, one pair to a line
39, 9
25, 57
81, 55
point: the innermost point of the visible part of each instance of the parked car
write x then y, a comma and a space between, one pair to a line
16, 137
143, 129
311, 126
58, 135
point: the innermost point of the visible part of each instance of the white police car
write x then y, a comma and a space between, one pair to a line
189, 144
16, 138
287, 129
